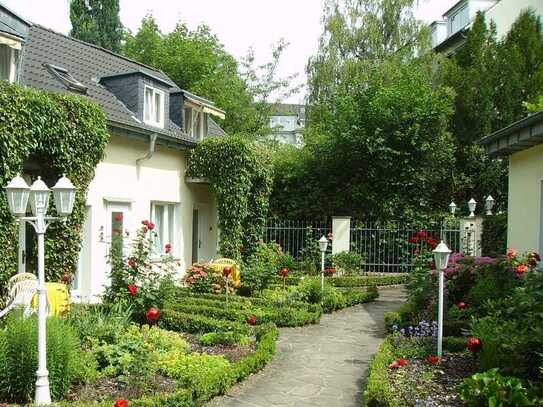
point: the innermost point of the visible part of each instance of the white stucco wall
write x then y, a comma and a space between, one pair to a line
524, 213
505, 12
161, 179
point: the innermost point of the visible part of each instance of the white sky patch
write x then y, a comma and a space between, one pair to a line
239, 24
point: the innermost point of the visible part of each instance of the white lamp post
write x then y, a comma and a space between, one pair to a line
452, 208
323, 245
489, 204
441, 258
18, 194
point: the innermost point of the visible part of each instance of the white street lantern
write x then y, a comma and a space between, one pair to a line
323, 244
452, 208
441, 258
489, 204
64, 193
17, 192
39, 197
472, 204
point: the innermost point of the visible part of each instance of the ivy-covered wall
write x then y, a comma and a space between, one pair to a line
240, 176
52, 134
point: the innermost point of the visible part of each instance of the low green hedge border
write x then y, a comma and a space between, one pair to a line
266, 336
355, 281
198, 324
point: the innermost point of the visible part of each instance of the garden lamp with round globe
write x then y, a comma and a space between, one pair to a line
452, 208
64, 194
489, 204
323, 245
17, 192
472, 204
441, 259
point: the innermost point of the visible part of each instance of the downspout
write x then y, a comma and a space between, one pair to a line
150, 153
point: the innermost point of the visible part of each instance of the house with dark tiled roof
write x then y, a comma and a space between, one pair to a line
153, 124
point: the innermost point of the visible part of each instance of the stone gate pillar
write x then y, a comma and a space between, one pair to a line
341, 229
471, 232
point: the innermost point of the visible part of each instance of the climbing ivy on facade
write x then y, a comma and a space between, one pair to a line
48, 134
240, 176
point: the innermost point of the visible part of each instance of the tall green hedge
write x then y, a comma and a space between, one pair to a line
61, 134
494, 238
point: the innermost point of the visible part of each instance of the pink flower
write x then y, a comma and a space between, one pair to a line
512, 253
168, 248
133, 289
521, 269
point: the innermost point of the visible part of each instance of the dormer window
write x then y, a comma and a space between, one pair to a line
9, 54
153, 110
195, 123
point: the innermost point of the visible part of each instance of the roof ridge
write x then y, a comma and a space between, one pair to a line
102, 49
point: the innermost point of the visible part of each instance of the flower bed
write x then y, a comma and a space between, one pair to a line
494, 318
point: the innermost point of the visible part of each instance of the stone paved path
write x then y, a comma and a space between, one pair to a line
319, 365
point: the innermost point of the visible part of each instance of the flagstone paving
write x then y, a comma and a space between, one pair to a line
319, 365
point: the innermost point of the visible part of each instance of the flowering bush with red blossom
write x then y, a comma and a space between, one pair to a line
135, 280
330, 271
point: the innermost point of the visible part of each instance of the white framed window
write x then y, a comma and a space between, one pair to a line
195, 123
8, 63
153, 109
163, 215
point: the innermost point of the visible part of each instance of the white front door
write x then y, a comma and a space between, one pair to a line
200, 233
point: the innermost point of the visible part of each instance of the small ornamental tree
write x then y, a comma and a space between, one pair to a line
135, 280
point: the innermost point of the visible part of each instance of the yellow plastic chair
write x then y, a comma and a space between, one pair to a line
58, 299
219, 264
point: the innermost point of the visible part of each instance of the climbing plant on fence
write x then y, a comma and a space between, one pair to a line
240, 176
58, 133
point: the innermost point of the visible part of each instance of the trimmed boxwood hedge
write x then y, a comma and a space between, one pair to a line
351, 282
199, 324
63, 134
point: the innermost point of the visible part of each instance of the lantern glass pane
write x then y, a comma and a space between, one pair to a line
64, 201
17, 200
39, 200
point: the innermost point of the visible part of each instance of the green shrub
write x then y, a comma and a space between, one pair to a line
393, 319
454, 343
347, 263
196, 324
492, 389
224, 338
354, 296
266, 336
19, 358
379, 392
494, 238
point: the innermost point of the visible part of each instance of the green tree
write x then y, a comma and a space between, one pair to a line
97, 22
197, 61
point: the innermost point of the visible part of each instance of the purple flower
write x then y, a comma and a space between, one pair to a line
482, 261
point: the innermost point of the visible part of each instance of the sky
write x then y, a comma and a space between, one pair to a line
239, 24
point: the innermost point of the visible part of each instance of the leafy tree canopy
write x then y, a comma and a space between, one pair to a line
97, 22
197, 61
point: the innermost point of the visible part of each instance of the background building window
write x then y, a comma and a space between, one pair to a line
195, 123
154, 107
163, 216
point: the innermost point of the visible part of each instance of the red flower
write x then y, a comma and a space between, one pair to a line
119, 217
153, 315
168, 248
462, 305
434, 360
151, 226
121, 403
512, 253
402, 362
133, 288
432, 242
422, 234
66, 278
474, 345
227, 271
330, 270
284, 272
394, 365
251, 320
414, 239
132, 262
521, 269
